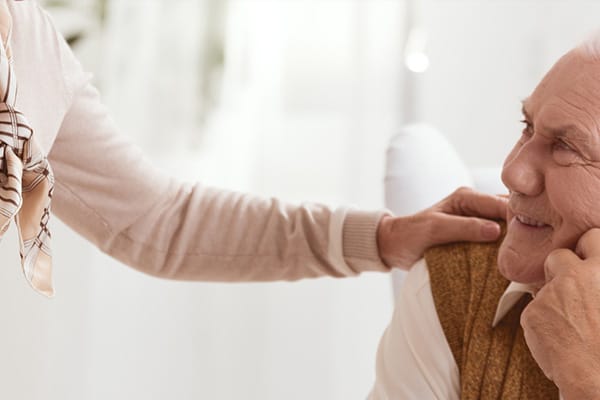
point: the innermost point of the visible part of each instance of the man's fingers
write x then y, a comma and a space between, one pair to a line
453, 228
559, 261
468, 202
589, 244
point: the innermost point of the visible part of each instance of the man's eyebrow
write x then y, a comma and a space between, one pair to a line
570, 131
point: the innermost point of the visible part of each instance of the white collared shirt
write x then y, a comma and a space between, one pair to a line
414, 360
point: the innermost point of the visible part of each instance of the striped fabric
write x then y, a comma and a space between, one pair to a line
26, 180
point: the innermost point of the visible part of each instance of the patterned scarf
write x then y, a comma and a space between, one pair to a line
26, 180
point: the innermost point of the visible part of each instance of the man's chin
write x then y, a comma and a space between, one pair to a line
517, 267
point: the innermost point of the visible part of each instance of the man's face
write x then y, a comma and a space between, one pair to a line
553, 172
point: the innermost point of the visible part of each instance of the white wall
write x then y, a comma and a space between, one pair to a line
305, 115
485, 57
44, 344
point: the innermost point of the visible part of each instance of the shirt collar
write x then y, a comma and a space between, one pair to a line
509, 298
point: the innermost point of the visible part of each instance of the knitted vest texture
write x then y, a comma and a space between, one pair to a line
494, 363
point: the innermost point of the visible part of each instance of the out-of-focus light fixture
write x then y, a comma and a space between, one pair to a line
415, 57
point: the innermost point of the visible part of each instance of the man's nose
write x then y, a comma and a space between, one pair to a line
522, 171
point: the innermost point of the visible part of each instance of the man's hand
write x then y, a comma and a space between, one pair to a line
403, 240
562, 323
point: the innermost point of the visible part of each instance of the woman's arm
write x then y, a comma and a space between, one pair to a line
109, 192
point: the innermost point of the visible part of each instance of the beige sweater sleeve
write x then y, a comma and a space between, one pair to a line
109, 192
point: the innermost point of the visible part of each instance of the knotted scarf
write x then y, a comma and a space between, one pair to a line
26, 180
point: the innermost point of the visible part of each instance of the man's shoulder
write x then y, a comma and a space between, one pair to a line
461, 275
461, 266
462, 250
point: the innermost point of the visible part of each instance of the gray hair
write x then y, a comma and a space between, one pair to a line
590, 47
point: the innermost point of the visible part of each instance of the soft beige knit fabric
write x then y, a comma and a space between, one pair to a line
109, 192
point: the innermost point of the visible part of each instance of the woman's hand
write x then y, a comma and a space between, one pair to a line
459, 217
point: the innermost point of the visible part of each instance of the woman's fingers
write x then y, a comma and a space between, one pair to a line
468, 202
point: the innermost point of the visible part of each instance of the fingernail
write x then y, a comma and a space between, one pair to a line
491, 231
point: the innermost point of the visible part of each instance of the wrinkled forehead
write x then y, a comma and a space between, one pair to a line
574, 70
571, 89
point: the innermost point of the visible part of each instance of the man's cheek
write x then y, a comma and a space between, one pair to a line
577, 215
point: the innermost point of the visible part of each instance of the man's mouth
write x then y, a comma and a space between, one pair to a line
531, 222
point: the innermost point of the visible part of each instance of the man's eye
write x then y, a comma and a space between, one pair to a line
564, 154
562, 145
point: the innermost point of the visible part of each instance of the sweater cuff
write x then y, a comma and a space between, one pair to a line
359, 241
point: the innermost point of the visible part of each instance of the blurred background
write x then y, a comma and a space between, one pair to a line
289, 98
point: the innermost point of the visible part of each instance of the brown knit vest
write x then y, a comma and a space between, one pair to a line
494, 363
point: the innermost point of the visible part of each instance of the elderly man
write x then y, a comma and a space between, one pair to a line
456, 329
